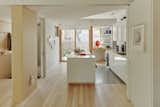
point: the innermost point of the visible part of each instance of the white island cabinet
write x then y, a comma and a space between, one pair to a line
81, 69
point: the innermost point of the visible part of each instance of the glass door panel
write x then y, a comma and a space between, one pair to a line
82, 39
68, 42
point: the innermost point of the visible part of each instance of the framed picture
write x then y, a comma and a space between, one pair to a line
107, 30
138, 37
51, 41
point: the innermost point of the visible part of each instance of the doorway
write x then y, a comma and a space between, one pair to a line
41, 48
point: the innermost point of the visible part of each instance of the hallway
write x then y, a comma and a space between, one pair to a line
32, 39
53, 91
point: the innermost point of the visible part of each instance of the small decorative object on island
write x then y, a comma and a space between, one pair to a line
77, 50
82, 53
98, 43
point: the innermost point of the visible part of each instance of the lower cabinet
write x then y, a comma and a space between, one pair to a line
118, 64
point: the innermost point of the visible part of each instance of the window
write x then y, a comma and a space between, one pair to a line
82, 39
68, 39
96, 36
71, 39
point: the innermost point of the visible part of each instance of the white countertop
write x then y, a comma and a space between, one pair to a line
81, 56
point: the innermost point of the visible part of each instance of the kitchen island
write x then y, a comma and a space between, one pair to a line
81, 69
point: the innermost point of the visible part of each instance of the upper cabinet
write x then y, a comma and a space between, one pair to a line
119, 31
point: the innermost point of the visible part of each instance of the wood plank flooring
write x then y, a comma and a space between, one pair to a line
53, 91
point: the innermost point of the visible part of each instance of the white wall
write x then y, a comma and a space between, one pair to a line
86, 23
52, 54
140, 63
5, 26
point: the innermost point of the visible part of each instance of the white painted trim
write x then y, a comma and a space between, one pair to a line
156, 52
62, 2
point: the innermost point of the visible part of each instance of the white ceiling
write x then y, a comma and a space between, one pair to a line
72, 14
114, 14
69, 14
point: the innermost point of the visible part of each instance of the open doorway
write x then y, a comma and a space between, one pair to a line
41, 52
5, 56
104, 55
83, 44
111, 52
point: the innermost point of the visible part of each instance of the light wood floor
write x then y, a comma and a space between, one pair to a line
53, 91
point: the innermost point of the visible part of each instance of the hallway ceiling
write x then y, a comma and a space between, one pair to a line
68, 11
115, 14
72, 14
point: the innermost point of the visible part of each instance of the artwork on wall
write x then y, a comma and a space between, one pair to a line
106, 30
106, 35
51, 41
138, 37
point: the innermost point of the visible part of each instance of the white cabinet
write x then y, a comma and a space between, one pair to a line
119, 31
118, 64
81, 69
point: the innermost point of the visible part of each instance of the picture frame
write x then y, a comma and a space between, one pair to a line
138, 37
106, 30
50, 41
